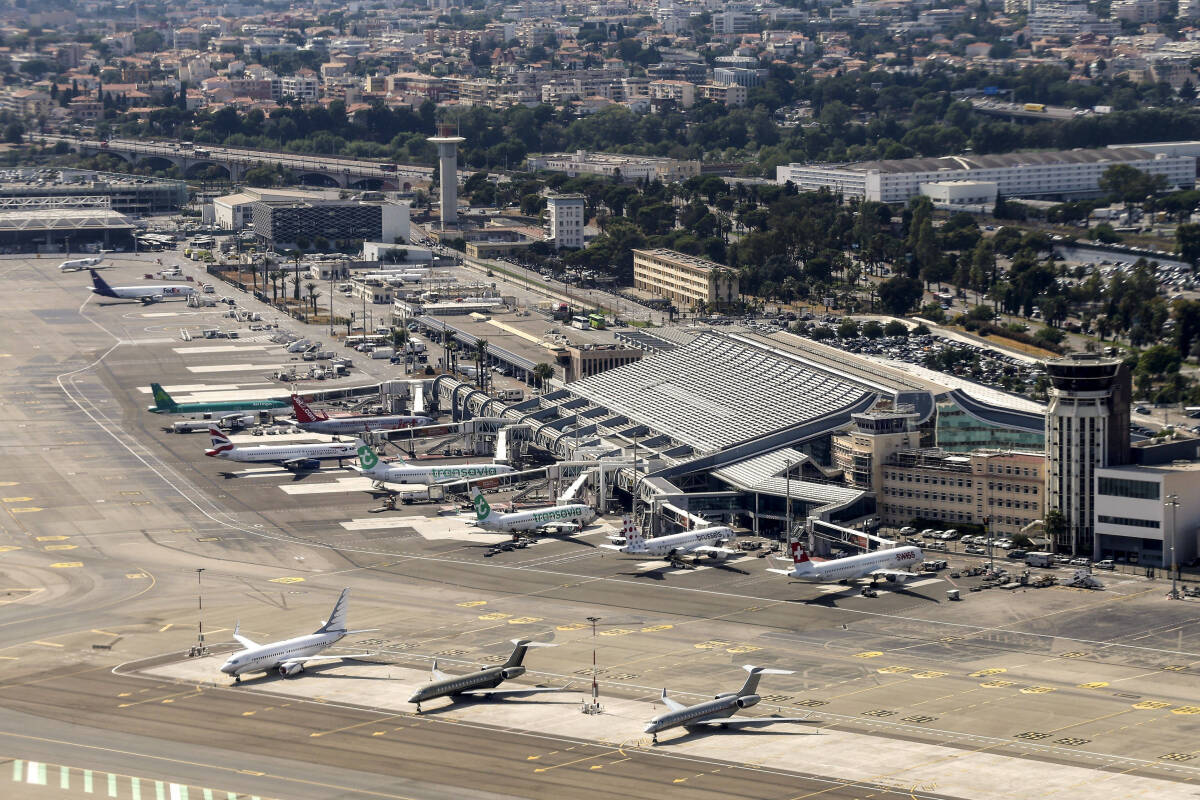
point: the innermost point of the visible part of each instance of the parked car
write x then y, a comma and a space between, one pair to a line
1106, 564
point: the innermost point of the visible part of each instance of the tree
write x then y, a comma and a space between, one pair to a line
14, 133
1159, 360
895, 328
542, 373
1054, 525
1130, 185
481, 362
872, 329
899, 294
1187, 241
310, 289
848, 329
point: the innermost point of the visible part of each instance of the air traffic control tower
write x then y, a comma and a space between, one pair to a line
447, 141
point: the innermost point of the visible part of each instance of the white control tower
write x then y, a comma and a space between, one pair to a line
447, 142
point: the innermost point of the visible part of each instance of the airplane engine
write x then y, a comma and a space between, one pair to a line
747, 701
513, 672
288, 670
896, 578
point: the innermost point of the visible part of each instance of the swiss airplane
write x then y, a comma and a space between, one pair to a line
291, 456
289, 656
891, 565
145, 293
568, 518
76, 264
482, 683
700, 542
320, 422
721, 708
406, 473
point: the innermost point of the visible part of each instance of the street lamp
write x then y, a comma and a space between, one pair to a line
1173, 504
594, 708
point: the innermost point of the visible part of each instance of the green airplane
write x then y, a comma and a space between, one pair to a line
163, 404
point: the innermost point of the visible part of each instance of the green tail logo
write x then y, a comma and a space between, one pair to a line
161, 398
367, 458
482, 509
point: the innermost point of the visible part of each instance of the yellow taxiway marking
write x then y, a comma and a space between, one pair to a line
166, 627
316, 734
61, 547
8, 483
571, 626
288, 579
104, 633
524, 620
472, 603
869, 654
569, 763
25, 509
8, 548
132, 575
52, 538
1093, 685
8, 658
17, 499
49, 644
166, 698
67, 564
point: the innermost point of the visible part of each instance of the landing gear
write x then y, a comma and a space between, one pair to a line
418, 708
654, 738
237, 679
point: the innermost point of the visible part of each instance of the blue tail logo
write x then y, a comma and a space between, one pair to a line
100, 286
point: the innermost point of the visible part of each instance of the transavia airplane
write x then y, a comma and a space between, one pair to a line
701, 542
404, 472
289, 656
320, 422
482, 683
146, 293
77, 264
570, 517
892, 565
291, 456
719, 710
164, 404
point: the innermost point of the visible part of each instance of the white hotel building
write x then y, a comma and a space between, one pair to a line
1027, 174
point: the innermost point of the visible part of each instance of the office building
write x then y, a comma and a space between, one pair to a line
284, 224
1049, 173
629, 168
1087, 427
1136, 519
565, 215
687, 281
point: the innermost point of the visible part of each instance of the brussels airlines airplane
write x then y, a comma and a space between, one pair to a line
404, 472
702, 541
291, 456
889, 564
146, 293
290, 655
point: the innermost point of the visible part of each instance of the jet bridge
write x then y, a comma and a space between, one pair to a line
821, 534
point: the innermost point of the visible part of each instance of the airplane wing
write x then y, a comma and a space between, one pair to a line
515, 692
894, 575
244, 641
561, 527
296, 463
709, 550
756, 722
339, 657
616, 547
674, 705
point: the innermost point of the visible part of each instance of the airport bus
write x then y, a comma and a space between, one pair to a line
580, 322
596, 321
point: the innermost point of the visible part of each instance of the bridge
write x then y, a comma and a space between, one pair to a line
344, 173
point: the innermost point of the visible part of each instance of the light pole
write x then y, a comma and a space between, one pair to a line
987, 527
1173, 503
594, 708
787, 477
200, 647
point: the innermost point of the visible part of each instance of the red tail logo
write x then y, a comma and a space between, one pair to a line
799, 555
304, 413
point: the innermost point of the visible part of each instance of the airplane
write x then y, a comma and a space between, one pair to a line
888, 564
290, 456
320, 422
145, 293
701, 541
569, 517
289, 656
164, 404
721, 708
370, 465
482, 683
77, 264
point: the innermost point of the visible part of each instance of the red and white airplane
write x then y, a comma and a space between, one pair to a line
892, 565
320, 422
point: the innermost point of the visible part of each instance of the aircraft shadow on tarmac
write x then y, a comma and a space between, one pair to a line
660, 573
317, 671
458, 702
297, 474
830, 600
768, 729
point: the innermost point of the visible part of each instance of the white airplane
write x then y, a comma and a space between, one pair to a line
567, 518
484, 682
406, 473
892, 565
290, 655
146, 293
320, 422
721, 708
701, 542
291, 456
77, 264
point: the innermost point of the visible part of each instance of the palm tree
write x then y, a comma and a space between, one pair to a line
295, 281
542, 373
253, 270
276, 275
399, 340
296, 276
481, 357
309, 288
313, 297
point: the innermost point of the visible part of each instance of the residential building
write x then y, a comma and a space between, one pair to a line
629, 168
728, 94
1087, 427
687, 281
565, 216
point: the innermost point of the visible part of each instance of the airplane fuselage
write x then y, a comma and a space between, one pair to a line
389, 422
719, 708
681, 542
220, 407
409, 474
280, 453
488, 678
147, 293
270, 656
860, 566
532, 520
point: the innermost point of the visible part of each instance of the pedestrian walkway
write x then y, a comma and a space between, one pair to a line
113, 785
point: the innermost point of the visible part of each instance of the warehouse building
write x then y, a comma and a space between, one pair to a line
1050, 173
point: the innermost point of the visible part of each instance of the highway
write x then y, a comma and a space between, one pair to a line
105, 520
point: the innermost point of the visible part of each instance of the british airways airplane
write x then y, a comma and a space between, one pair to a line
891, 565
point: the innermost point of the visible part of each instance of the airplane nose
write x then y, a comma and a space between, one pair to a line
416, 698
651, 728
227, 668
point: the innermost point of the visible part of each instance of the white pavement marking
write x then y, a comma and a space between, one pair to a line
212, 368
220, 348
342, 485
429, 528
223, 396
205, 387
282, 438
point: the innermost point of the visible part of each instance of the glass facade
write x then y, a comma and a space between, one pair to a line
1123, 487
960, 432
1132, 522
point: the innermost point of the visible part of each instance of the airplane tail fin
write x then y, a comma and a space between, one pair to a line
304, 413
337, 617
756, 673
162, 400
521, 647
368, 460
800, 556
635, 539
100, 286
220, 442
482, 509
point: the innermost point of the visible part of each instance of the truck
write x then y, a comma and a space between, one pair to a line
1039, 559
383, 352
1038, 107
